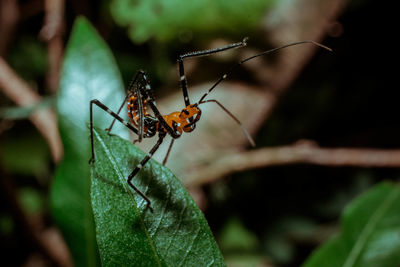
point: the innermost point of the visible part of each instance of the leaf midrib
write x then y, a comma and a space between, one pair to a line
369, 227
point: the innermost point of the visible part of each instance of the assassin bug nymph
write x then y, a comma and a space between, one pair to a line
144, 125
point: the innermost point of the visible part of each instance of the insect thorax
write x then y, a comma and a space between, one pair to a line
185, 120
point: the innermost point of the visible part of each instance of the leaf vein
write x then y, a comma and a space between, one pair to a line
176, 229
369, 227
190, 247
163, 212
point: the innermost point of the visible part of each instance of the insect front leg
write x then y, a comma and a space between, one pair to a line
201, 53
116, 116
141, 165
131, 85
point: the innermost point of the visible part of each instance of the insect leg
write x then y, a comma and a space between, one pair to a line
116, 116
199, 54
141, 114
130, 86
153, 106
140, 166
119, 110
171, 144
169, 150
245, 132
143, 94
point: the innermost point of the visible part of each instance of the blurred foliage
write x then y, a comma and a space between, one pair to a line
182, 20
29, 58
25, 153
277, 240
32, 201
163, 26
370, 232
235, 237
6, 225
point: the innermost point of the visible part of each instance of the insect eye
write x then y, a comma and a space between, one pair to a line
185, 111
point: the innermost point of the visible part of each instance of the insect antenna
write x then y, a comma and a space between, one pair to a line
245, 132
223, 77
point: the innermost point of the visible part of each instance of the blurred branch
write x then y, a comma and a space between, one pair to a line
302, 152
52, 32
44, 119
51, 246
9, 15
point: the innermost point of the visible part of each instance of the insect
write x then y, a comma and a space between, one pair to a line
145, 125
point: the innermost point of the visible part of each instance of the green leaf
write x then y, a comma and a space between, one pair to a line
370, 233
128, 233
89, 71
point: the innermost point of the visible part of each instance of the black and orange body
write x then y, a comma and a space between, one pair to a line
185, 120
179, 121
